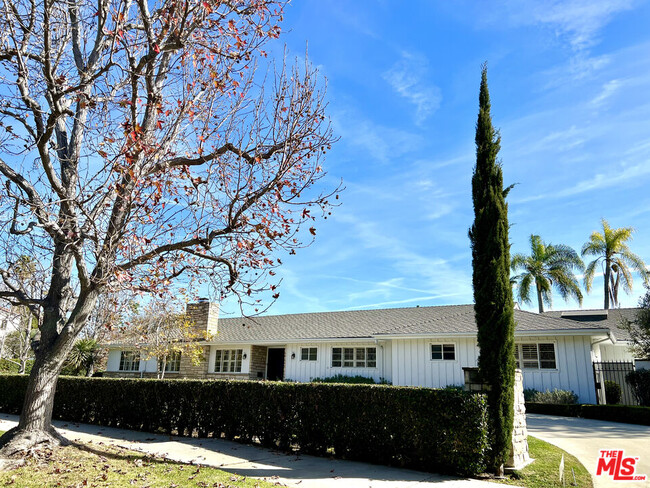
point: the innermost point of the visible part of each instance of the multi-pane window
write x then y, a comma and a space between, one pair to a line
129, 361
443, 352
172, 362
228, 360
354, 357
308, 353
535, 356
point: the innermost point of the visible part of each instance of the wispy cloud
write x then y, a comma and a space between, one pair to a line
599, 181
580, 20
408, 78
403, 302
382, 144
609, 89
577, 21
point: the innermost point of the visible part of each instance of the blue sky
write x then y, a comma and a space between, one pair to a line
570, 89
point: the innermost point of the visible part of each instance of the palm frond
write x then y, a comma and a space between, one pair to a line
590, 271
523, 289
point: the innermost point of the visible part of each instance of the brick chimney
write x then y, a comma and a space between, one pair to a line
204, 315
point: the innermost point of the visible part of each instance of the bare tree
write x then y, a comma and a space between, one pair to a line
140, 145
159, 329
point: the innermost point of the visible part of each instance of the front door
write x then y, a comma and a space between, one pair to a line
275, 364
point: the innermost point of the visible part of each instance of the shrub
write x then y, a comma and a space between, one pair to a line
613, 413
640, 383
557, 397
529, 394
612, 392
420, 428
457, 388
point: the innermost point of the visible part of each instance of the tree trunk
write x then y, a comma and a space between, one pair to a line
540, 303
608, 271
35, 425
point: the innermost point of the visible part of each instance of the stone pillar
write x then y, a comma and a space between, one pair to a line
204, 315
519, 456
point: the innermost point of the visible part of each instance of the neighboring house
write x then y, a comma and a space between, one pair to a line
422, 346
612, 360
9, 322
610, 319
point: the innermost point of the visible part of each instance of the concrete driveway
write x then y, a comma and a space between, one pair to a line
257, 462
584, 439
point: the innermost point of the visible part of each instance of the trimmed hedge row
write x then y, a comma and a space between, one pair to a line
614, 413
433, 430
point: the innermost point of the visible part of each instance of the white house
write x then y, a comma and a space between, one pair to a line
422, 346
9, 322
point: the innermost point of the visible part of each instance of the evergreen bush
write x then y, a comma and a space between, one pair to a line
612, 392
640, 383
421, 428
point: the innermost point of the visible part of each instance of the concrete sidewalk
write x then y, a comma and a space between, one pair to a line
584, 438
257, 462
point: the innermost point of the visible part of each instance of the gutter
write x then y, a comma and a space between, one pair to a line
543, 332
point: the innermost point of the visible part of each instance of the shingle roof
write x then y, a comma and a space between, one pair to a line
610, 319
448, 319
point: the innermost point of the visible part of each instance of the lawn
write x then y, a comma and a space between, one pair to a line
544, 472
96, 465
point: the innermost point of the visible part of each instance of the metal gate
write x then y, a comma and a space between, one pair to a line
614, 371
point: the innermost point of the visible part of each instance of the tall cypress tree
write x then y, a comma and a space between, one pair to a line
493, 305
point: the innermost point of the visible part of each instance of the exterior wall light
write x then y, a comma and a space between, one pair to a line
293, 355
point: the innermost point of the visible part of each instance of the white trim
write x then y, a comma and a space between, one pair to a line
280, 343
354, 357
442, 352
308, 353
541, 332
539, 361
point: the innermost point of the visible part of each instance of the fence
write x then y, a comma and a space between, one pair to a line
615, 371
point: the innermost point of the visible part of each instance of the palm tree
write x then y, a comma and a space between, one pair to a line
84, 355
547, 266
611, 251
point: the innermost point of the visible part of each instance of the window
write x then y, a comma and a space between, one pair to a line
535, 356
308, 353
443, 352
228, 360
129, 361
354, 357
172, 362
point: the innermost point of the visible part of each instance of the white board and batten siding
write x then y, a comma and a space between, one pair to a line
615, 352
574, 369
300, 370
412, 364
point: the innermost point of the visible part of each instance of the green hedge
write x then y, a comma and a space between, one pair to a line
613, 413
433, 430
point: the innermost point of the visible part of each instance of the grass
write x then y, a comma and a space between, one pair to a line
544, 472
97, 465
100, 465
